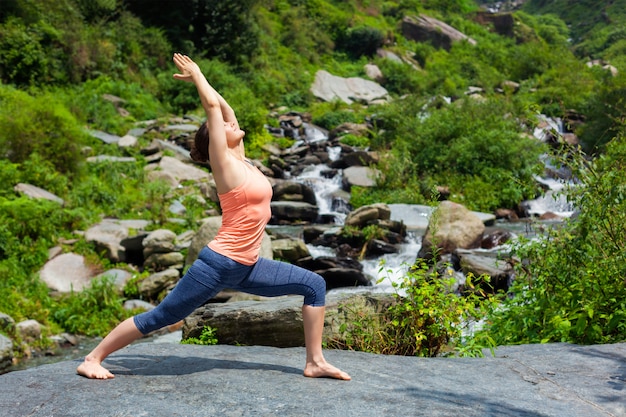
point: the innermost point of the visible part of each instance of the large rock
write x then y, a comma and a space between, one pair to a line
450, 227
277, 321
289, 249
365, 214
182, 171
37, 193
67, 272
173, 379
359, 176
293, 191
293, 211
424, 28
502, 23
330, 87
107, 237
155, 283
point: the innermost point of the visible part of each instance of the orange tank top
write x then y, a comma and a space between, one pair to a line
245, 213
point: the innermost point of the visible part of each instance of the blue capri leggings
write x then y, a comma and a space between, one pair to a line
212, 272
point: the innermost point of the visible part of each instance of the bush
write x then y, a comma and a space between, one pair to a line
426, 319
87, 102
39, 124
468, 142
93, 311
361, 41
570, 285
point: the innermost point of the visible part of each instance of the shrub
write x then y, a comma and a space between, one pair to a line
426, 319
207, 337
570, 285
93, 311
361, 41
468, 142
39, 124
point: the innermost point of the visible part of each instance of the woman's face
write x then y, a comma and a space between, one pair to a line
233, 132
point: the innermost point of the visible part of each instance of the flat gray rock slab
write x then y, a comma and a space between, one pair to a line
186, 380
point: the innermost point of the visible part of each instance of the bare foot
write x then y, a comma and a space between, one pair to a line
91, 368
324, 370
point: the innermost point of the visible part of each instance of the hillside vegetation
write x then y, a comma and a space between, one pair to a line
60, 57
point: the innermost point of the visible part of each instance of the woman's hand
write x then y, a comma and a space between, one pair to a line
186, 66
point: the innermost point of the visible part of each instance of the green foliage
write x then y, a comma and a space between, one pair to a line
88, 102
468, 142
400, 78
425, 320
607, 113
361, 41
588, 20
355, 141
208, 336
31, 220
93, 311
225, 30
570, 285
24, 296
39, 124
331, 115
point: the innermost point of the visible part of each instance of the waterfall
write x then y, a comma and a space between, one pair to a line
554, 199
328, 193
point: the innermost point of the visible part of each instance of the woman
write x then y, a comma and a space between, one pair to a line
232, 259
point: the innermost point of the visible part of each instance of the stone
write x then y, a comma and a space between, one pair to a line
424, 28
451, 226
151, 286
293, 211
289, 250
172, 379
159, 241
107, 237
329, 87
119, 277
29, 330
360, 176
365, 214
182, 171
37, 193
67, 272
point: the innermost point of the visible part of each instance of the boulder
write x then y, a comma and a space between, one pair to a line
29, 330
182, 171
67, 272
157, 282
37, 193
500, 271
293, 211
330, 87
158, 241
107, 237
424, 28
356, 158
502, 23
451, 226
293, 191
362, 216
289, 250
276, 321
360, 176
